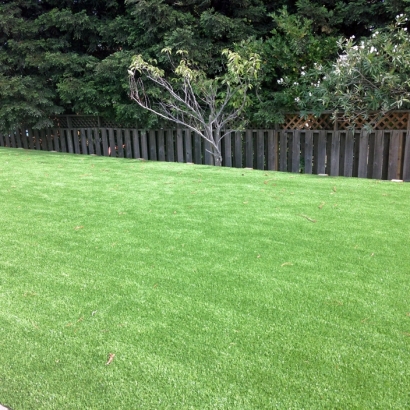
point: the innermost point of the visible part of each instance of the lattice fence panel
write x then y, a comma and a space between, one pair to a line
394, 120
295, 122
84, 122
110, 124
60, 122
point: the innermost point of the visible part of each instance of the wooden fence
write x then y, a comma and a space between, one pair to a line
382, 154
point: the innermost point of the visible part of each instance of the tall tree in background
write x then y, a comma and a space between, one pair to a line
62, 56
72, 56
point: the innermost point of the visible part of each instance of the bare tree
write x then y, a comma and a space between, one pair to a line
206, 106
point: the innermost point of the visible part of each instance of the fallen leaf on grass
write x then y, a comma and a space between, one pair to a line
287, 264
110, 358
78, 227
306, 217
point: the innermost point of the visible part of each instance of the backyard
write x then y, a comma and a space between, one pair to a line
130, 284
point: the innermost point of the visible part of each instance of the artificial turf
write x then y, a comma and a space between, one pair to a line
214, 288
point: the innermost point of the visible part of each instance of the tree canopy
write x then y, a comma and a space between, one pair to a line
71, 56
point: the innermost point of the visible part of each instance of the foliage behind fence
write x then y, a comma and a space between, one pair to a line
383, 154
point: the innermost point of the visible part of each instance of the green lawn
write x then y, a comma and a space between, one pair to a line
215, 288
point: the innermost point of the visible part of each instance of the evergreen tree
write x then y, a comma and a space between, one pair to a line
70, 56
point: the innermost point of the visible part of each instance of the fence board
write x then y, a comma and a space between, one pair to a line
20, 135
400, 156
295, 167
289, 135
7, 140
111, 143
18, 138
198, 149
334, 153
97, 141
120, 143
180, 146
356, 153
386, 144
152, 146
90, 141
76, 142
44, 140
51, 137
24, 137
271, 146
378, 155
188, 145
393, 155
144, 145
227, 150
238, 149
30, 139
249, 149
208, 155
308, 152
56, 139
161, 145
363, 154
406, 159
127, 143
283, 151
170, 146
12, 140
136, 152
83, 138
342, 152
370, 161
328, 151
321, 152
348, 154
104, 141
260, 149
69, 140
